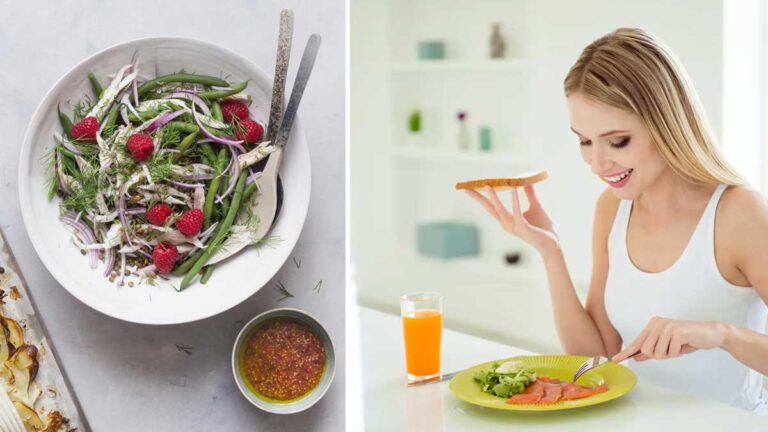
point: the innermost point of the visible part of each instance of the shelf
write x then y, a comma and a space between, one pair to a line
475, 268
437, 155
461, 65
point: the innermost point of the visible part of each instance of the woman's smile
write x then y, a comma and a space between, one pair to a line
619, 179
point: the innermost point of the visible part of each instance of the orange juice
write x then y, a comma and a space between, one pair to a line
422, 330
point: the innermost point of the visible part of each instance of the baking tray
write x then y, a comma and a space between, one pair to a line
17, 303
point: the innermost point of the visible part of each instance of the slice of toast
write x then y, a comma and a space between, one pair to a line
512, 182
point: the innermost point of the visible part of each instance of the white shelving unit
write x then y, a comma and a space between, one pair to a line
493, 92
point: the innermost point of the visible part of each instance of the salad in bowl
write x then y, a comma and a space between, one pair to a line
156, 173
139, 166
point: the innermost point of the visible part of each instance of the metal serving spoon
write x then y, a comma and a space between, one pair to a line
265, 207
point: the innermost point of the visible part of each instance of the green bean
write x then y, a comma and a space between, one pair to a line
216, 112
253, 187
213, 188
219, 94
144, 115
210, 198
154, 95
111, 118
181, 78
66, 123
183, 146
69, 164
222, 231
187, 264
95, 84
206, 274
225, 205
209, 154
183, 127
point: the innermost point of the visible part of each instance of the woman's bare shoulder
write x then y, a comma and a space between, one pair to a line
605, 211
742, 216
743, 205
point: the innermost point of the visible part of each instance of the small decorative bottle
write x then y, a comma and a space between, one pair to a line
414, 126
414, 121
463, 138
497, 42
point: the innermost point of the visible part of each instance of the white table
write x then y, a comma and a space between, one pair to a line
388, 405
132, 377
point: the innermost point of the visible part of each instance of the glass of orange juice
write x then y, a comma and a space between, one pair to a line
422, 329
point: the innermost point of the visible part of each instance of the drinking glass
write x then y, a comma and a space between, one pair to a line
422, 315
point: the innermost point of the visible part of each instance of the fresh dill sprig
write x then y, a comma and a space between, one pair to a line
171, 138
81, 107
284, 291
52, 182
160, 167
83, 197
268, 241
183, 348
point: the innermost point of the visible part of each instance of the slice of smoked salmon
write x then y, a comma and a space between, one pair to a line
531, 395
547, 390
552, 393
524, 399
573, 391
549, 380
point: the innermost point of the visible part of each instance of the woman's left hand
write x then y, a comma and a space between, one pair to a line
665, 338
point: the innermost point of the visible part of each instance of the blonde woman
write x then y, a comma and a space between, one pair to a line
680, 244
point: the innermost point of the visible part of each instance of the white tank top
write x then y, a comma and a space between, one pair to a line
691, 289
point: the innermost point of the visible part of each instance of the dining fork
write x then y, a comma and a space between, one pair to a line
592, 363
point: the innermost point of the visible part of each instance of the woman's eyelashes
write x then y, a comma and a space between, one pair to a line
622, 143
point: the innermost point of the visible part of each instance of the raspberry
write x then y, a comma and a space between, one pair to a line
165, 257
249, 131
86, 129
140, 146
232, 108
190, 222
158, 214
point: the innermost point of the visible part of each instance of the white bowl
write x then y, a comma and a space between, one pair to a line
314, 395
234, 280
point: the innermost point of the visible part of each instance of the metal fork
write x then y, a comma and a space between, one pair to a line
593, 363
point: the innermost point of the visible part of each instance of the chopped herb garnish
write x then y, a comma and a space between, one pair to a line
284, 291
183, 348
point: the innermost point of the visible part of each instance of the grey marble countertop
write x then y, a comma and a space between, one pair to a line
131, 377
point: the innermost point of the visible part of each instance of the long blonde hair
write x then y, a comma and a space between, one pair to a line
631, 70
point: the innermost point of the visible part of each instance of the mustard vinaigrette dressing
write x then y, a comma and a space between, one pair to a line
284, 360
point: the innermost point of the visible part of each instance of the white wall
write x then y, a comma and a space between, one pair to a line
370, 132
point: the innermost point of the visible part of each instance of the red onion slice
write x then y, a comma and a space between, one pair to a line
84, 233
197, 100
165, 118
110, 261
187, 185
204, 131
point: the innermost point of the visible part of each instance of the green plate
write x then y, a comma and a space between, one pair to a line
619, 379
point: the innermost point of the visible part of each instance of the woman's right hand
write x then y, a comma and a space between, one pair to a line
533, 226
